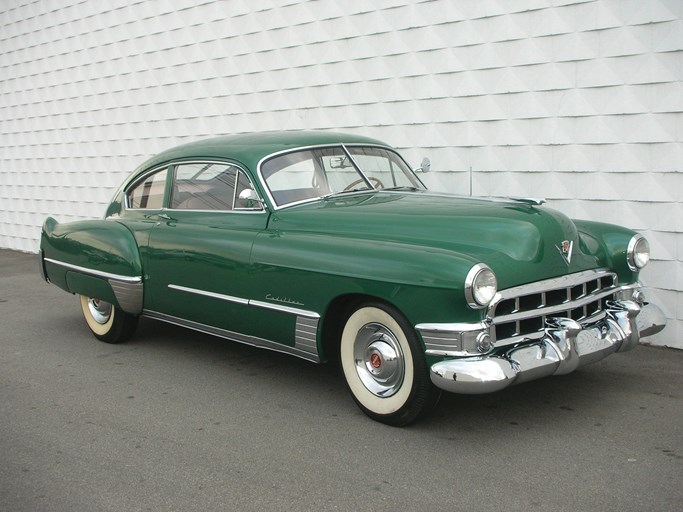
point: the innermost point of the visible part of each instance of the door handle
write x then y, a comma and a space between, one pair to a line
165, 217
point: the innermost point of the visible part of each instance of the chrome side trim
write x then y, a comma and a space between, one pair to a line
219, 296
284, 309
247, 302
254, 341
305, 335
129, 295
96, 273
452, 340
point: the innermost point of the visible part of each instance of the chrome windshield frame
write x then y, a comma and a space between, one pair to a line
344, 147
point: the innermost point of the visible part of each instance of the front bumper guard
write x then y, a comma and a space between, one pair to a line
565, 346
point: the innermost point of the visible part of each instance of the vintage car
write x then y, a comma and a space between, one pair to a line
327, 246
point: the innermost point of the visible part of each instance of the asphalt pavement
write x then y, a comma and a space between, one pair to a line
174, 420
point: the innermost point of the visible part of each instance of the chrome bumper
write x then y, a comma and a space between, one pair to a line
564, 347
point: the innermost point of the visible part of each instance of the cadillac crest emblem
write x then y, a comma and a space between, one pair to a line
565, 249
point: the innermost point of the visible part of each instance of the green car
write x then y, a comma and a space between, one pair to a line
327, 246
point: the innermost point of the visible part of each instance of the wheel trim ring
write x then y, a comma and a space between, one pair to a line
375, 343
99, 310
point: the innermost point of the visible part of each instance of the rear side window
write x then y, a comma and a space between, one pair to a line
208, 186
149, 193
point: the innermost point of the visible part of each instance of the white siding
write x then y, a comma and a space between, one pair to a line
577, 101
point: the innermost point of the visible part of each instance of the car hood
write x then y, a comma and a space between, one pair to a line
520, 242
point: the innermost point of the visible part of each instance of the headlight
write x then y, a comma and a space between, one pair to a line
480, 286
638, 252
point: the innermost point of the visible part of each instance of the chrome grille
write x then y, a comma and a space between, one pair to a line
520, 313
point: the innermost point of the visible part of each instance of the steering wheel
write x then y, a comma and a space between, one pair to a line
377, 183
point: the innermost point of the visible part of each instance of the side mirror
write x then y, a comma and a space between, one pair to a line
425, 165
250, 199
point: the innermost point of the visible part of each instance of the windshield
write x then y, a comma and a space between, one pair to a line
314, 173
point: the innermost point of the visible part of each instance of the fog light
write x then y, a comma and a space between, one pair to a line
484, 342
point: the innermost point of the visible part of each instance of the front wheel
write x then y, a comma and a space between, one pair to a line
107, 322
384, 365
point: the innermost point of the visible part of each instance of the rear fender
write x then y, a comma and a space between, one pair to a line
95, 258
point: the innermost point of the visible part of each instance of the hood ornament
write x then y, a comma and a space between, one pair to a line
565, 249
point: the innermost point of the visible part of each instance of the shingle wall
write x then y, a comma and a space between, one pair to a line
580, 102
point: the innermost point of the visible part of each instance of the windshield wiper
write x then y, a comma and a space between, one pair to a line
342, 192
403, 187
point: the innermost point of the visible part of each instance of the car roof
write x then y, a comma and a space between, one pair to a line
250, 148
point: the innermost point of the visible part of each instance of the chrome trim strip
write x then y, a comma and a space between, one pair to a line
305, 334
129, 295
284, 309
451, 340
358, 168
174, 163
247, 302
96, 273
254, 341
135, 180
220, 296
217, 212
456, 327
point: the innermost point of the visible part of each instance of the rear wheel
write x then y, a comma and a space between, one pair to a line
384, 365
107, 322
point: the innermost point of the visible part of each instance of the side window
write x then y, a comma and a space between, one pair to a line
149, 193
209, 186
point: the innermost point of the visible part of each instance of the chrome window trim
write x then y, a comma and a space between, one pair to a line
97, 273
217, 212
343, 146
174, 163
219, 162
136, 181
247, 302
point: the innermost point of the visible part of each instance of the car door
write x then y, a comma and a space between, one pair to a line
198, 261
144, 201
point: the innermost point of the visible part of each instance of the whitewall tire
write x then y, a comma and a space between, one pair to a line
384, 365
107, 322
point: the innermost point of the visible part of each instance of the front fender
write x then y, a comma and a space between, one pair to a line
608, 243
313, 269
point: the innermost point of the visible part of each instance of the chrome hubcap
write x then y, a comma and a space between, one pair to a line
379, 360
99, 310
